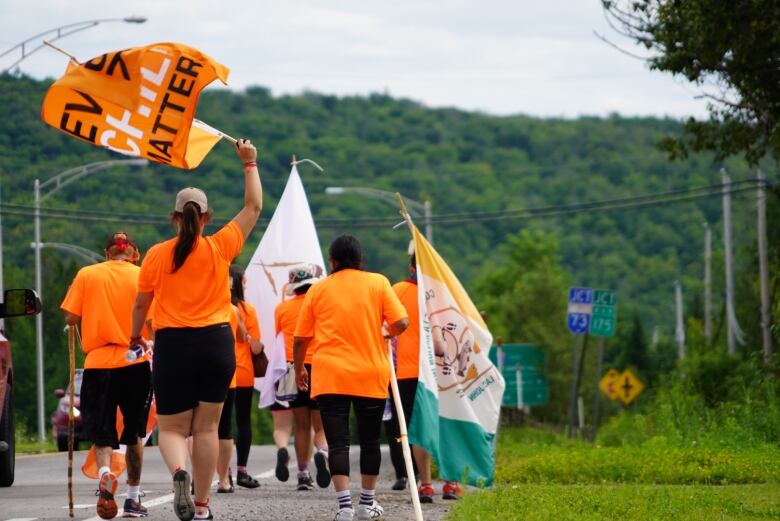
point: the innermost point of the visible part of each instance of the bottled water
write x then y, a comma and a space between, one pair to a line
135, 352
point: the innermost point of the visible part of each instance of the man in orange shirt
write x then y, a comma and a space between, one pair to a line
304, 408
344, 314
101, 297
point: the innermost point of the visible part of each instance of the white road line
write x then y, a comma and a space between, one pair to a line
22, 519
271, 473
148, 504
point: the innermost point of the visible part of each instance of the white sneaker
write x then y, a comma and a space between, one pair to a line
372, 511
344, 514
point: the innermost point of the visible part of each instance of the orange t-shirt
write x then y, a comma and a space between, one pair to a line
245, 370
103, 295
344, 313
198, 294
286, 318
408, 350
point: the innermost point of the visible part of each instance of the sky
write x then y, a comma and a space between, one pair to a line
539, 58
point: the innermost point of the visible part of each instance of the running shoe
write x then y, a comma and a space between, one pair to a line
106, 505
451, 490
400, 484
282, 459
134, 509
425, 492
183, 505
367, 512
344, 514
323, 474
304, 481
245, 480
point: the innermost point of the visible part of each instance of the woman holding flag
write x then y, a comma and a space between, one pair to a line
344, 314
194, 357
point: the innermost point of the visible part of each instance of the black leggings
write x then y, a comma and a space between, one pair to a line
243, 424
407, 388
225, 428
334, 409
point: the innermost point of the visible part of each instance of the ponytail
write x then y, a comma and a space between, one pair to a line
189, 230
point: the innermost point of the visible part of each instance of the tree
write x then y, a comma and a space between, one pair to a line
729, 49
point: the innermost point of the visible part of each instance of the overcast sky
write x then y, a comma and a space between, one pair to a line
501, 57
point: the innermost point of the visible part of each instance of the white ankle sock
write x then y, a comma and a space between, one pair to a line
133, 492
102, 471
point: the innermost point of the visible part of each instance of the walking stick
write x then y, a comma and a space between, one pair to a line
71, 416
404, 438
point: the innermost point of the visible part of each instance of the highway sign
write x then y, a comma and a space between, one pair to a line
629, 387
603, 320
522, 363
580, 309
607, 384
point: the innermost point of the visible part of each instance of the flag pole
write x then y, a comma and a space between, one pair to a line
71, 413
66, 53
404, 438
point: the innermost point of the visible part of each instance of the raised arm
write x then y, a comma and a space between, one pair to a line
253, 190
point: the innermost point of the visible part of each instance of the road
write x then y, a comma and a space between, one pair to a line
40, 492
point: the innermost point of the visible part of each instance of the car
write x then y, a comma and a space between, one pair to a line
59, 418
16, 303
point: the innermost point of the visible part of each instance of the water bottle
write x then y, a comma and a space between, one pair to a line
134, 352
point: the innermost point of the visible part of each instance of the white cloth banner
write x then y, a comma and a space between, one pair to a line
291, 238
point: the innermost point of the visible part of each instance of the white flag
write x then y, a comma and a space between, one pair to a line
290, 239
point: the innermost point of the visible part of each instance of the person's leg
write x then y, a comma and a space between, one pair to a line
321, 448
225, 435
407, 388
334, 410
283, 420
173, 430
135, 385
244, 426
369, 413
393, 433
205, 450
302, 441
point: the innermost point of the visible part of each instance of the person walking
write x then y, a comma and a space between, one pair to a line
194, 357
101, 298
225, 426
304, 408
247, 346
343, 314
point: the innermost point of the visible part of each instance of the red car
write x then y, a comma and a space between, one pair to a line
59, 418
16, 303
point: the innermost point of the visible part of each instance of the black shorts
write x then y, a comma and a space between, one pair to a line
192, 365
102, 391
225, 428
303, 399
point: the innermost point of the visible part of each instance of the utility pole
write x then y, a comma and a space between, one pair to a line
763, 267
733, 332
679, 331
708, 283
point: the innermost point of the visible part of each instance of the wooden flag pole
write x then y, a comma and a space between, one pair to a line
66, 53
71, 415
404, 438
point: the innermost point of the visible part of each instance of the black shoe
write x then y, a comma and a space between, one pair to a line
134, 509
400, 484
245, 480
183, 505
323, 474
305, 482
282, 459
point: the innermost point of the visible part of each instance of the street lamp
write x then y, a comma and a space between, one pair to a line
54, 184
61, 32
417, 208
86, 255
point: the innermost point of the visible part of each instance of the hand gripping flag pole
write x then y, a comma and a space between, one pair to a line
399, 411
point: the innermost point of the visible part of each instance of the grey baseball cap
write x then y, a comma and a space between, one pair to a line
191, 195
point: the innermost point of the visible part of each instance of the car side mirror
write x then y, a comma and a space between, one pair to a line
59, 393
19, 303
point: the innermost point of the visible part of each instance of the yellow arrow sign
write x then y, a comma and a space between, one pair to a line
607, 384
628, 387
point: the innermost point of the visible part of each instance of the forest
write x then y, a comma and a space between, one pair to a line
515, 202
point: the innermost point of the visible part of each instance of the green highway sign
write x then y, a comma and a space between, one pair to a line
522, 363
603, 320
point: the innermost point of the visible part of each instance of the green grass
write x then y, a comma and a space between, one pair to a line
620, 502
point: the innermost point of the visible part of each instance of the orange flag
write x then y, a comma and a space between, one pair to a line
118, 462
139, 102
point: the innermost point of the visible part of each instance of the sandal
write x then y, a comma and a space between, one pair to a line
246, 481
228, 490
203, 504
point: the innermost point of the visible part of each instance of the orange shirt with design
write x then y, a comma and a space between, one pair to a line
344, 313
408, 349
198, 294
103, 295
286, 317
245, 370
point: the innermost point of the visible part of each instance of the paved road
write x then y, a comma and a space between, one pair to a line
40, 492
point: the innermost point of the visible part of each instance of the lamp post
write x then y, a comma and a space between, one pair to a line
61, 32
53, 185
423, 209
84, 254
